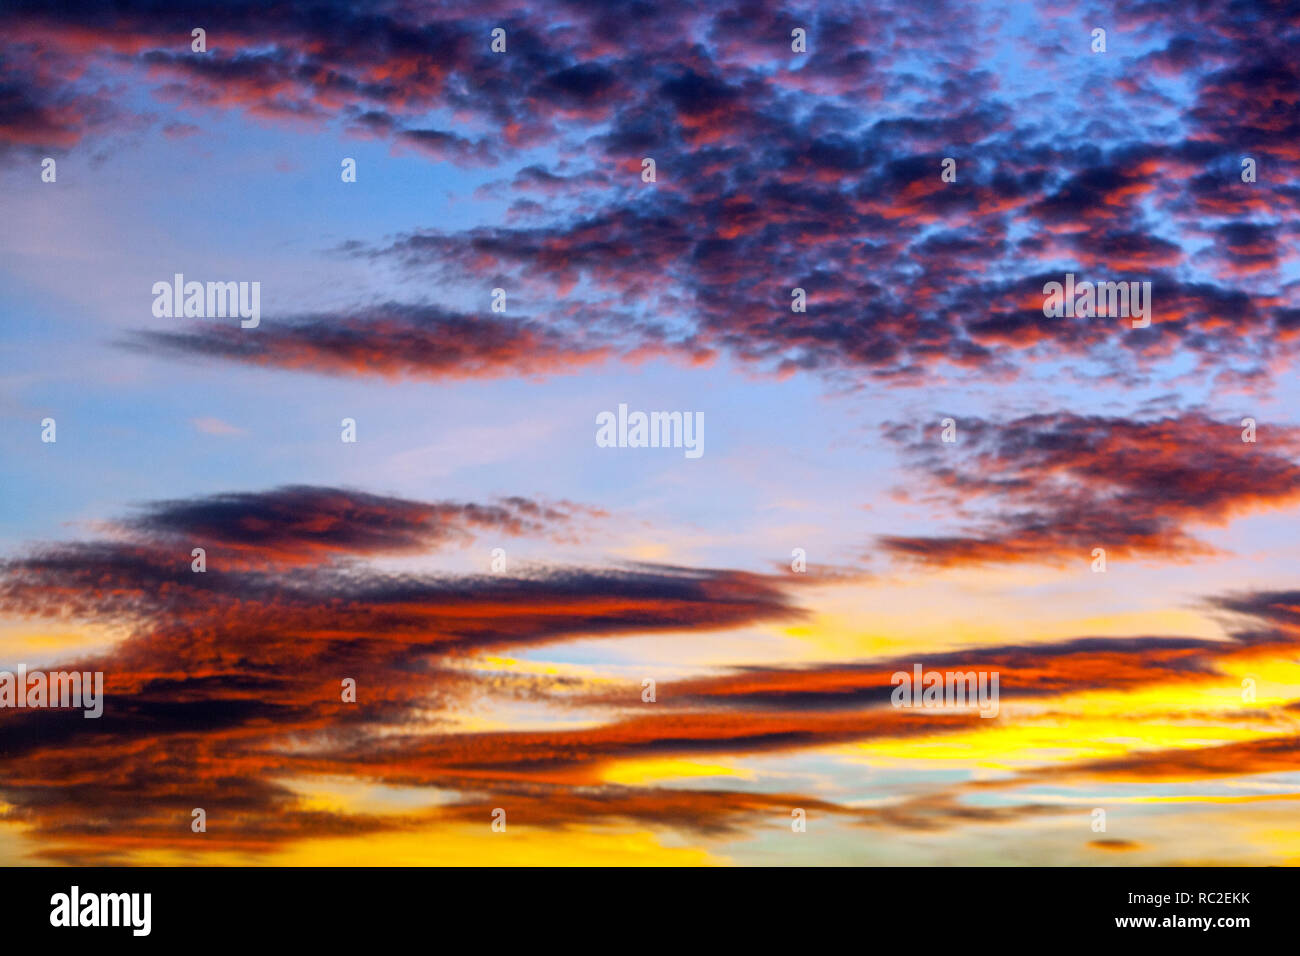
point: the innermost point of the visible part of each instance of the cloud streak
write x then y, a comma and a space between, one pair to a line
1052, 487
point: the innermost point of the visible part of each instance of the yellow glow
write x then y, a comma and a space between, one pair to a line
460, 845
642, 772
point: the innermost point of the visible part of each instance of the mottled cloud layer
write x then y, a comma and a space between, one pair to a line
226, 687
776, 170
309, 524
1052, 487
221, 670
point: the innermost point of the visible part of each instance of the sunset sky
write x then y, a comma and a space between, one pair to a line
1164, 691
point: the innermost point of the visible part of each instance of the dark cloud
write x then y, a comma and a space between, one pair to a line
775, 170
1054, 487
227, 685
393, 341
224, 677
1046, 669
302, 523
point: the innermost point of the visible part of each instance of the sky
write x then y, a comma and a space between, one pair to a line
565, 653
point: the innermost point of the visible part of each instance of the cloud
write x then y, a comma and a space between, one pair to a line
225, 690
394, 341
228, 681
775, 171
215, 426
1028, 671
1059, 485
309, 524
771, 175
1118, 846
